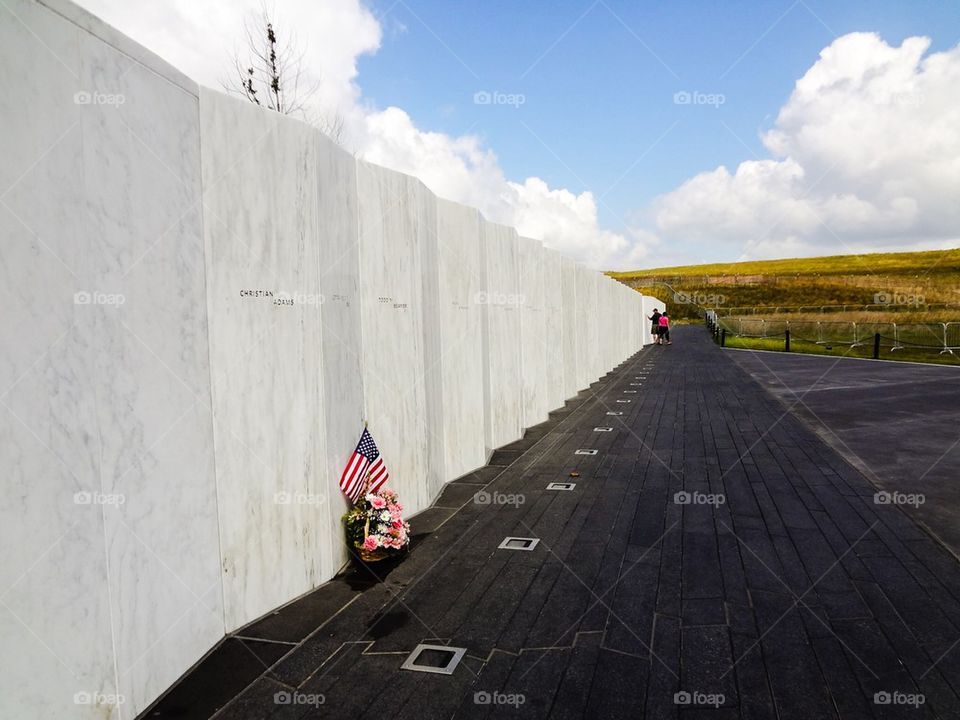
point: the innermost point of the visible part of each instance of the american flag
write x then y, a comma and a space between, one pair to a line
363, 464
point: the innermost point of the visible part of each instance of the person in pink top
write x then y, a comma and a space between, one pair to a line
665, 329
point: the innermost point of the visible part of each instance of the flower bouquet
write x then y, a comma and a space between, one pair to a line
375, 526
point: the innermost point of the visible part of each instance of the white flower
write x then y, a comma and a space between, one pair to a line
385, 516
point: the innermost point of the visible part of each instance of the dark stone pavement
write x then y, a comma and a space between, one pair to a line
899, 423
797, 597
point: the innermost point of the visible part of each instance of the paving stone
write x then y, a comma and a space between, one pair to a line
797, 597
222, 675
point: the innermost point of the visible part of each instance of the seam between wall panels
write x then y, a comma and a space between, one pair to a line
360, 299
96, 410
213, 434
320, 460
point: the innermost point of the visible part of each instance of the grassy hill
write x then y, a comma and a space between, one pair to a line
917, 283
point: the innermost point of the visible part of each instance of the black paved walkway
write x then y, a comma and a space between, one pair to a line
796, 598
898, 422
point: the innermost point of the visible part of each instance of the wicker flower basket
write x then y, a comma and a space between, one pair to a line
369, 556
359, 519
372, 555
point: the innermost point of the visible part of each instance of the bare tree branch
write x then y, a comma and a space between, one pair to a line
274, 75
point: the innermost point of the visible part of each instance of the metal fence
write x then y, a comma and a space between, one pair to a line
823, 309
942, 337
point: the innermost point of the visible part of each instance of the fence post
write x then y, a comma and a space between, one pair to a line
723, 337
786, 342
876, 346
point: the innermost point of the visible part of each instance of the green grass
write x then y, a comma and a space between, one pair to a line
863, 351
931, 278
915, 263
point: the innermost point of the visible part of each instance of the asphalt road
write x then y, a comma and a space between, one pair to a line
897, 422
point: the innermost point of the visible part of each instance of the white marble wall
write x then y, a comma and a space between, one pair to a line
630, 319
397, 215
460, 282
634, 311
553, 329
433, 333
571, 338
110, 581
341, 340
261, 222
533, 332
621, 322
501, 333
588, 356
202, 303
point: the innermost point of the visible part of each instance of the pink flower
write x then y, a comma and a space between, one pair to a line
371, 543
377, 502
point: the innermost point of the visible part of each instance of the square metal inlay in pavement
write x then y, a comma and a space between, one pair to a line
518, 543
603, 429
440, 659
583, 451
561, 486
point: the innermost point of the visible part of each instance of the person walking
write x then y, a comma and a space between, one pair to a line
664, 338
655, 326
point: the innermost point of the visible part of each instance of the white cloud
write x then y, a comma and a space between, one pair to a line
568, 220
200, 38
865, 155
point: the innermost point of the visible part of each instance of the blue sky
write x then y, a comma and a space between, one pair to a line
830, 126
598, 95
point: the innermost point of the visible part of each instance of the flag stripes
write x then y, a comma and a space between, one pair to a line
364, 469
